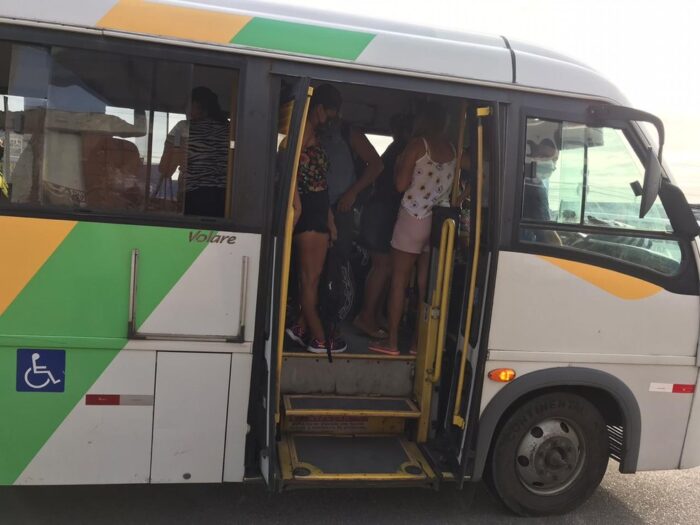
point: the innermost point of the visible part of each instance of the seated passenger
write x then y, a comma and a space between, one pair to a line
424, 171
543, 157
314, 229
377, 227
199, 147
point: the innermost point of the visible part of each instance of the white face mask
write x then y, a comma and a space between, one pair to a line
545, 168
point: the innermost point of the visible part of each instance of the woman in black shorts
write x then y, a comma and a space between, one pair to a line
313, 228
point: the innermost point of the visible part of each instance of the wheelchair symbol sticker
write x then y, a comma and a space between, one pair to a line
41, 370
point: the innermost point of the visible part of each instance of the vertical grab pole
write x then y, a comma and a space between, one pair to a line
456, 194
287, 254
457, 419
447, 243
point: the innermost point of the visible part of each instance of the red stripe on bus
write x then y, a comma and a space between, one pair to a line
102, 399
683, 389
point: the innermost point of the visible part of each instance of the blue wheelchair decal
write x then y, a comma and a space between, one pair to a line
41, 370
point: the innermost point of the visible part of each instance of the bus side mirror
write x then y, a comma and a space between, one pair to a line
652, 183
678, 210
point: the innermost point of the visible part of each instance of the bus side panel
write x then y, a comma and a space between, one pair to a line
103, 443
664, 414
691, 449
64, 295
552, 306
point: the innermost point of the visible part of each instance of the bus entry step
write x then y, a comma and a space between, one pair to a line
310, 405
310, 458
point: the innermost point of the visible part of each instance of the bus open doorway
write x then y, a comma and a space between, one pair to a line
363, 417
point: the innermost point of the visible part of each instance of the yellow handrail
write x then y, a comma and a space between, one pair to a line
287, 254
456, 193
457, 419
447, 244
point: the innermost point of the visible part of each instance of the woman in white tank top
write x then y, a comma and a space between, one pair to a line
424, 173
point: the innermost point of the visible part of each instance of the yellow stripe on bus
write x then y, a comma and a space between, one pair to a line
615, 283
140, 16
26, 246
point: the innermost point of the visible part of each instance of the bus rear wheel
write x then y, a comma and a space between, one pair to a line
550, 455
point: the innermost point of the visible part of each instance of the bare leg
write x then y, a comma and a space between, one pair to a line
375, 289
422, 278
402, 264
311, 249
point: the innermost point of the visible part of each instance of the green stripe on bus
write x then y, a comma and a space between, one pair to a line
81, 291
303, 38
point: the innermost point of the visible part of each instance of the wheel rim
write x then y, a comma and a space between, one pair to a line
550, 456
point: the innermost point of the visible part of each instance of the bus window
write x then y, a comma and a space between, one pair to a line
24, 83
580, 176
113, 133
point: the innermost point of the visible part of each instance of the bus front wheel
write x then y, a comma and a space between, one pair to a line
550, 455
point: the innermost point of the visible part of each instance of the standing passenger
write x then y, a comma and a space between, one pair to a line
378, 219
199, 147
314, 226
424, 172
343, 145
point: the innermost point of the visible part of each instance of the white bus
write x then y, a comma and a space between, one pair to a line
142, 342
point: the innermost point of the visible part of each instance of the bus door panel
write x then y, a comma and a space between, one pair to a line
460, 380
295, 95
189, 417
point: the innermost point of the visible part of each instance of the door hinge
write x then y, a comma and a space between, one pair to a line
435, 313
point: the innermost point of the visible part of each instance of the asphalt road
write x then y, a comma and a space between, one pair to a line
655, 497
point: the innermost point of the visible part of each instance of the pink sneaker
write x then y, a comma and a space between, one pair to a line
382, 347
297, 334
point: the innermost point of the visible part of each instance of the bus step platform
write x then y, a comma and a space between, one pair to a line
324, 460
372, 406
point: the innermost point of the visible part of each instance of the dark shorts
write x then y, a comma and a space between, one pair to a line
206, 202
377, 225
314, 213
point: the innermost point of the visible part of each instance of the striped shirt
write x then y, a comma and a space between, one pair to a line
207, 152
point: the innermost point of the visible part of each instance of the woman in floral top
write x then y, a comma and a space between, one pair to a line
314, 226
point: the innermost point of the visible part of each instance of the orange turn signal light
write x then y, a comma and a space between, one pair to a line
502, 375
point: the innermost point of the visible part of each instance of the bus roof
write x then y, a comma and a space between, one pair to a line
302, 33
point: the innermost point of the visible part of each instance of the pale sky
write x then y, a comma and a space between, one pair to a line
650, 50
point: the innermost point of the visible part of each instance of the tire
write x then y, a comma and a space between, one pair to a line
549, 456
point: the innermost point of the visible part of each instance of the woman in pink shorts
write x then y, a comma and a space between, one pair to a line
424, 173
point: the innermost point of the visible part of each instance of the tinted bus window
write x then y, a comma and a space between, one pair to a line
104, 132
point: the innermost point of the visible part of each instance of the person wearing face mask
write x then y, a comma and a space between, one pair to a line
542, 157
354, 165
547, 156
313, 230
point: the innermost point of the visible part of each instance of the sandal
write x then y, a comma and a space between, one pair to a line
382, 347
374, 334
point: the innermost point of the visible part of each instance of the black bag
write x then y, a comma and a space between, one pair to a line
335, 295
